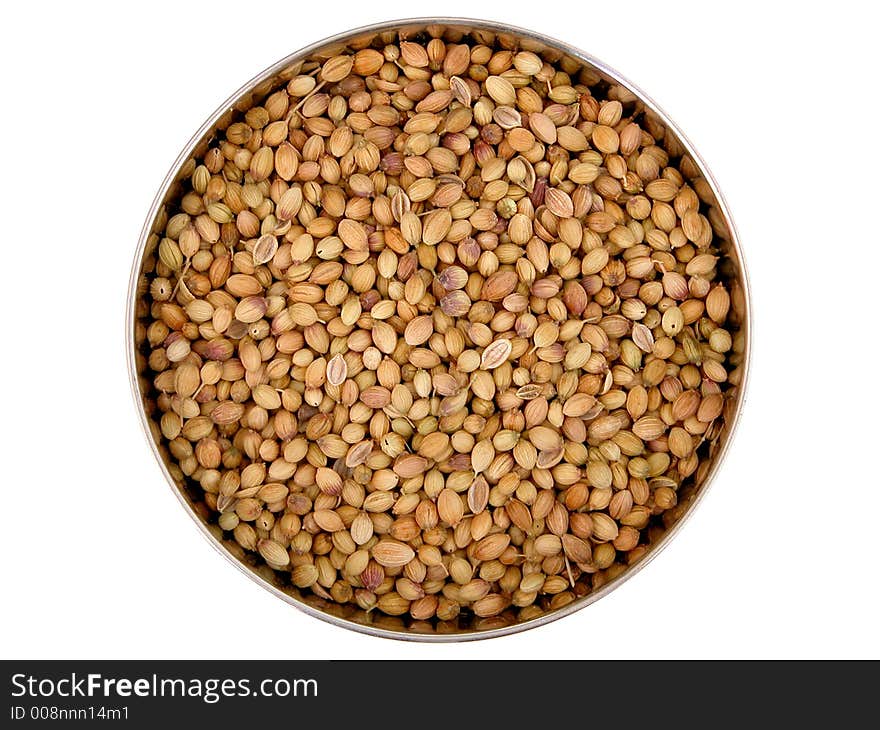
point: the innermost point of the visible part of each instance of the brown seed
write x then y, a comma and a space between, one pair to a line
530, 391
445, 384
578, 405
227, 412
543, 127
478, 495
559, 203
266, 397
576, 549
243, 285
384, 337
251, 309
289, 204
372, 576
675, 285
414, 54
718, 304
507, 117
680, 442
648, 428
273, 553
482, 455
328, 481
304, 576
491, 546
499, 285
544, 438
450, 507
328, 520
519, 514
474, 590
605, 529
435, 446
286, 161
460, 90
337, 68
546, 334
685, 405
418, 330
435, 226
490, 605
410, 465
710, 408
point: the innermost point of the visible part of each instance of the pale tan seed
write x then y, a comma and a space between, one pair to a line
227, 412
643, 337
507, 117
578, 405
265, 249
337, 370
418, 330
543, 127
251, 309
501, 90
482, 455
358, 454
273, 553
328, 520
576, 549
328, 481
266, 397
392, 553
460, 90
362, 528
495, 354
384, 337
478, 495
559, 203
410, 465
490, 605
491, 546
499, 285
450, 507
304, 576
337, 68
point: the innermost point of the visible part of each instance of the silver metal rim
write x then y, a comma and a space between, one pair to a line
491, 26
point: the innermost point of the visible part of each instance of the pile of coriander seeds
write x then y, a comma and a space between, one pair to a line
439, 329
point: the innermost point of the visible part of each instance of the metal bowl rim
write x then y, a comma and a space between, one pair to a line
475, 24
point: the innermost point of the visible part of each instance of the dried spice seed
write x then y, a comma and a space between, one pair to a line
265, 249
392, 553
337, 370
495, 354
441, 330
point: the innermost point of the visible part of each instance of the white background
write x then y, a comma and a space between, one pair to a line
100, 561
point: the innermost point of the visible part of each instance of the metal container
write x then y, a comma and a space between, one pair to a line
487, 32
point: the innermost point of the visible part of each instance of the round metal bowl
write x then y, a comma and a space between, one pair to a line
675, 143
